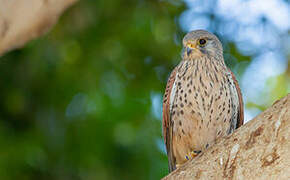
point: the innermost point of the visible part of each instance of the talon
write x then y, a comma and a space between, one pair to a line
193, 154
197, 152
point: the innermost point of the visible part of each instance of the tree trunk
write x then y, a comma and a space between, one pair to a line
259, 149
24, 20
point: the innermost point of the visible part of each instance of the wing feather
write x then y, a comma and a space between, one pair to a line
166, 123
240, 121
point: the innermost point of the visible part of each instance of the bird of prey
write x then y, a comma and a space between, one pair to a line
202, 100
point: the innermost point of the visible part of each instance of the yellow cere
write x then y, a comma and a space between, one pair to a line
190, 45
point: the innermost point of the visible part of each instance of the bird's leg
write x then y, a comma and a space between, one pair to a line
192, 154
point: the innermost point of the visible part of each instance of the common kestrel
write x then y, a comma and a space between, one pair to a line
202, 101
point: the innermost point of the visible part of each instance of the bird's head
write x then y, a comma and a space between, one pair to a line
201, 43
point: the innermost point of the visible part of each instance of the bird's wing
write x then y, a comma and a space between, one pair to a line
167, 127
240, 121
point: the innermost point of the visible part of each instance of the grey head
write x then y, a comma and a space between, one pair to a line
199, 43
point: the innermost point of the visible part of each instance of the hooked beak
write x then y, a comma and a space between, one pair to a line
188, 50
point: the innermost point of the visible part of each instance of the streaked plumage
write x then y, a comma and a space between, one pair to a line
202, 101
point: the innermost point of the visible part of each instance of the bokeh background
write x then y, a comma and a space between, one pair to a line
84, 101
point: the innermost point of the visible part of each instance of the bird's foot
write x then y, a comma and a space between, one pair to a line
192, 154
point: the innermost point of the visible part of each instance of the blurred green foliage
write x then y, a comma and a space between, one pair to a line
77, 103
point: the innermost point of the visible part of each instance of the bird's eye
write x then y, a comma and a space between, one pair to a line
202, 42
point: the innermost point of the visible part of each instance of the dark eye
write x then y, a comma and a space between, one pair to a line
202, 42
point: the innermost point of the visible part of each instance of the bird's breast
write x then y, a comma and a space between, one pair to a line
201, 106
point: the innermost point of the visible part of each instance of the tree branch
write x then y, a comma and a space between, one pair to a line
24, 20
258, 150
